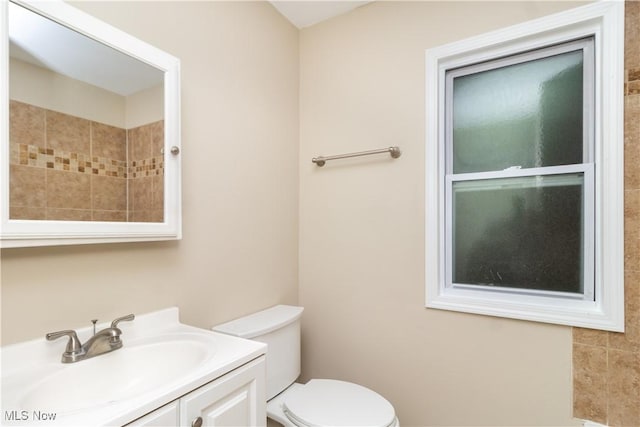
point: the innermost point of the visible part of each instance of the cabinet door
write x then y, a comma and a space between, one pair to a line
236, 399
162, 417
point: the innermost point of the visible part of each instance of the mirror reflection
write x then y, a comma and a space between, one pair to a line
86, 127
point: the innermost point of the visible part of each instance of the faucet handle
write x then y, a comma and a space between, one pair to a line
73, 346
128, 317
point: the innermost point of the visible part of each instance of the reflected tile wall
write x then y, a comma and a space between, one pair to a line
26, 125
146, 173
68, 168
606, 365
67, 133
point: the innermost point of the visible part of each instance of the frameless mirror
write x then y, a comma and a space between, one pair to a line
90, 136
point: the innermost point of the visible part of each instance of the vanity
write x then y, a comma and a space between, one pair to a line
166, 374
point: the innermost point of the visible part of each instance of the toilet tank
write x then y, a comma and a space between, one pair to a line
279, 328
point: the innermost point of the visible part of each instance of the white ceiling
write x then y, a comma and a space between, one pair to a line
306, 13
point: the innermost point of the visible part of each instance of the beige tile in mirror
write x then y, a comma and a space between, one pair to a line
66, 168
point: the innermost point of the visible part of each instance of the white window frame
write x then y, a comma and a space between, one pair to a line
605, 308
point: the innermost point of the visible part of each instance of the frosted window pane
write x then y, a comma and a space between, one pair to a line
528, 115
519, 232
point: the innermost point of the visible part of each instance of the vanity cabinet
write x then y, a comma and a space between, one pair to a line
235, 399
167, 415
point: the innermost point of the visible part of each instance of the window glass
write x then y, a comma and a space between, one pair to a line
528, 114
523, 232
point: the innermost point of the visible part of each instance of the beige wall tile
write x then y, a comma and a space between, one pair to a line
108, 141
624, 388
23, 212
139, 143
631, 122
632, 214
140, 216
157, 202
27, 186
68, 190
631, 172
108, 193
632, 142
67, 133
142, 189
590, 337
157, 215
14, 153
110, 216
26, 124
157, 138
590, 383
632, 208
632, 35
631, 253
57, 214
130, 198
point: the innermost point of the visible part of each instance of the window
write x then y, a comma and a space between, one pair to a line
519, 173
524, 183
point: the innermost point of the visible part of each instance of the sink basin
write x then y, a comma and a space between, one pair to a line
118, 375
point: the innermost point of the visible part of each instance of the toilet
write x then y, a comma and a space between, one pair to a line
319, 402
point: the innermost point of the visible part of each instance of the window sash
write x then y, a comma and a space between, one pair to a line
588, 227
587, 168
588, 113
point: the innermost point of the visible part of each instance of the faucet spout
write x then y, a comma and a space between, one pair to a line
103, 342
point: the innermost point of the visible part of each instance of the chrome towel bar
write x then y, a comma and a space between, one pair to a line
394, 151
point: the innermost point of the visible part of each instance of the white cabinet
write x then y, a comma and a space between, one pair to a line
167, 415
235, 399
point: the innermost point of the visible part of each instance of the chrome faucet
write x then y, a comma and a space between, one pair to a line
102, 342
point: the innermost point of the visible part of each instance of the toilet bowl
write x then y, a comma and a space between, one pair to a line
319, 402
322, 402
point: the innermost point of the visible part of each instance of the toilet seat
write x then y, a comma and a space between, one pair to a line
337, 403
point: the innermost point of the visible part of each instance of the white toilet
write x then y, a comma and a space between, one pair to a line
317, 403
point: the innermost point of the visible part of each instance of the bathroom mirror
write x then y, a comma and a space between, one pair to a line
90, 133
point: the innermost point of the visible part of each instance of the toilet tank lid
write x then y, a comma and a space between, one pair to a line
262, 322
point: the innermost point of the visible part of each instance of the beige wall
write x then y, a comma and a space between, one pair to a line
38, 86
362, 232
145, 106
240, 181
